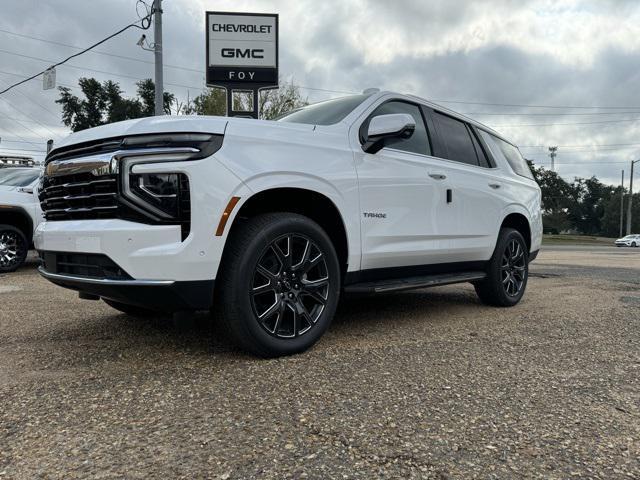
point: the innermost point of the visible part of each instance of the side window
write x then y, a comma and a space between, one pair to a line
419, 141
510, 153
457, 139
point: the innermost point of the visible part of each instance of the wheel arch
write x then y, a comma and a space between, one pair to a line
519, 222
310, 203
17, 217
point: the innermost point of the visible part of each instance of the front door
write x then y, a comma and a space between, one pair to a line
402, 198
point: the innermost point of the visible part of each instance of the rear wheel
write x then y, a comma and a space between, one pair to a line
508, 271
633, 244
13, 248
131, 310
278, 285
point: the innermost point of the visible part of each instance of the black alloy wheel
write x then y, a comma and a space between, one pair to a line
290, 286
507, 271
13, 248
278, 284
513, 268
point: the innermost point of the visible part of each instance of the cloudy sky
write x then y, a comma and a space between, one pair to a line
563, 72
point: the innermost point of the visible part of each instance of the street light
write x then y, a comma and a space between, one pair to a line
633, 162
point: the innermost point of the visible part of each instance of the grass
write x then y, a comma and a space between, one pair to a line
576, 240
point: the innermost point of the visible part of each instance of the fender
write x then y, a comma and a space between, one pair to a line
535, 221
305, 181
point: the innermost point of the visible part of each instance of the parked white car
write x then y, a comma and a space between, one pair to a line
20, 214
628, 241
268, 222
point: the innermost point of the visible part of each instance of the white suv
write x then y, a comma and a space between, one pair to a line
268, 222
20, 214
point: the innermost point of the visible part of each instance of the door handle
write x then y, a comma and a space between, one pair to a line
495, 186
438, 176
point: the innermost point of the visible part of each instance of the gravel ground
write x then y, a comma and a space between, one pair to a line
422, 384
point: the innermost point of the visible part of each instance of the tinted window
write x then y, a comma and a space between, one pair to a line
419, 141
510, 153
456, 138
18, 177
324, 113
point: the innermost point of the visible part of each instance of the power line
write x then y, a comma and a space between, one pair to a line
37, 104
195, 70
520, 105
19, 75
500, 114
99, 52
36, 121
586, 146
131, 77
142, 26
569, 123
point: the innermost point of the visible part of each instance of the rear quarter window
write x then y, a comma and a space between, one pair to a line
509, 152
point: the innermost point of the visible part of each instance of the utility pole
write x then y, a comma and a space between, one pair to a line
630, 197
552, 154
621, 203
157, 48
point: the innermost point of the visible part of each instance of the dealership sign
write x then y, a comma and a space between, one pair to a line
242, 50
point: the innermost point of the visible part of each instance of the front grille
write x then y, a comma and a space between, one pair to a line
86, 148
89, 265
79, 197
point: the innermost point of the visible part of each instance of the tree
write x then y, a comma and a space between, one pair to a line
271, 103
589, 211
212, 102
558, 200
104, 103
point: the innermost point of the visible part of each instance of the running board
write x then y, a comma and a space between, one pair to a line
414, 282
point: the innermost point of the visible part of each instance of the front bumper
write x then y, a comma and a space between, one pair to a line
143, 251
159, 295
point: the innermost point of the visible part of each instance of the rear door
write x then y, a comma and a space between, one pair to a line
475, 184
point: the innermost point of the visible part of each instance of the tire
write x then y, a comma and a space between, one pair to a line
131, 310
508, 271
278, 284
13, 248
633, 244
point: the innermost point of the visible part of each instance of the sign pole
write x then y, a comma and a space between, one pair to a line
157, 47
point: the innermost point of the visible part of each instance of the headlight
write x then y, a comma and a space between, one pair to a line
159, 190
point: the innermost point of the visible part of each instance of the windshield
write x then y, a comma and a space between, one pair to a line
324, 113
18, 177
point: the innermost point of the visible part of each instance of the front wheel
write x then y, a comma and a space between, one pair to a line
508, 271
13, 248
279, 284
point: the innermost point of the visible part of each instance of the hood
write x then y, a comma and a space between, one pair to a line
175, 124
166, 124
7, 188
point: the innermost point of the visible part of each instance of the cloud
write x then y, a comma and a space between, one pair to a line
537, 52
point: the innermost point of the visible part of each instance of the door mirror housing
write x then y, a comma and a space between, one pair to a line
385, 129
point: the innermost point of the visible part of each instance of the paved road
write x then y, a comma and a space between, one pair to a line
422, 384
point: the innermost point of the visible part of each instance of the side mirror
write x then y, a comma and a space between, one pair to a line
384, 129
